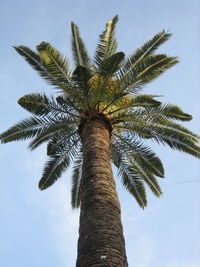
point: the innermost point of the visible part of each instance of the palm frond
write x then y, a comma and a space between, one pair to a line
76, 183
54, 62
64, 141
66, 102
102, 89
31, 57
165, 111
40, 105
176, 139
81, 76
147, 49
144, 100
150, 46
50, 132
166, 132
150, 67
124, 105
112, 64
53, 170
115, 102
80, 53
138, 152
58, 162
134, 184
39, 127
131, 181
35, 61
142, 161
23, 130
107, 43
151, 112
148, 178
152, 119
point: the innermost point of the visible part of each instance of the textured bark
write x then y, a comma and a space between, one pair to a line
101, 242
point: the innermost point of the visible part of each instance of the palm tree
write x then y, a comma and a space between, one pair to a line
101, 117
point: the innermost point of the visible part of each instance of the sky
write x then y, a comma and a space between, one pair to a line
39, 229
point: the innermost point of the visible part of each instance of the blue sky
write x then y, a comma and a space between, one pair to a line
39, 229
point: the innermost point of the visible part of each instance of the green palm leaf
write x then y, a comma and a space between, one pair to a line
54, 130
165, 111
112, 64
131, 181
137, 152
54, 62
35, 61
166, 132
152, 111
148, 178
40, 105
70, 104
53, 170
32, 58
144, 100
122, 109
80, 53
145, 50
149, 68
81, 76
107, 43
150, 46
152, 66
64, 140
23, 130
58, 162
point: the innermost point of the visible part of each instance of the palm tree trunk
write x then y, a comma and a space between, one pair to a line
101, 242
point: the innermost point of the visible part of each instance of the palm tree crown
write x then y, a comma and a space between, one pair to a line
107, 88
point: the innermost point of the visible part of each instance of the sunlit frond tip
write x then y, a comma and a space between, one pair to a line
107, 43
